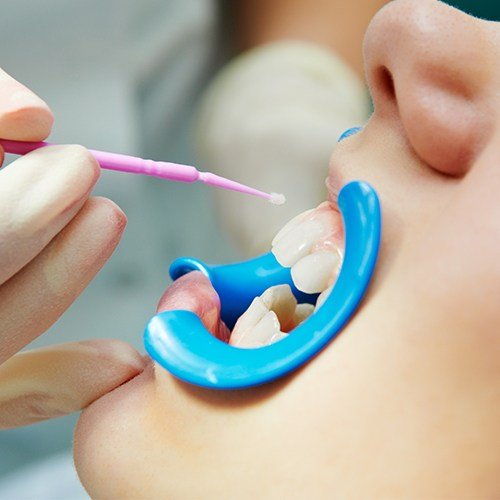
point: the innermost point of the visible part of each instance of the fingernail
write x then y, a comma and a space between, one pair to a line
25, 98
23, 115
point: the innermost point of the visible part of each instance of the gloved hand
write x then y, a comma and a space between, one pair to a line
53, 240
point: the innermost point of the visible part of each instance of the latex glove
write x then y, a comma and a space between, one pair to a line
53, 240
270, 120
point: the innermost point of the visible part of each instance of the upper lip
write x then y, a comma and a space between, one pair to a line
336, 180
334, 183
333, 192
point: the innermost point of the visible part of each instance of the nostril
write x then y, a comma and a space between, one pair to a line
386, 82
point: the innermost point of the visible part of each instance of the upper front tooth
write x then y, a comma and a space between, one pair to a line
315, 272
297, 242
291, 224
281, 300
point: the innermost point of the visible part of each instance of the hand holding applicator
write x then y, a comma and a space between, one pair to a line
163, 170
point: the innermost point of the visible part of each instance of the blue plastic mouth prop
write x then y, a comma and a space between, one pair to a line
179, 342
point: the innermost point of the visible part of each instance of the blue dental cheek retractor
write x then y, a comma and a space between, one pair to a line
179, 342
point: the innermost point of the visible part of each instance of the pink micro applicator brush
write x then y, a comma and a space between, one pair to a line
163, 170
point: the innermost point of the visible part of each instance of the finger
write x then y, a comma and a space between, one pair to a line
39, 194
32, 300
194, 292
51, 382
23, 115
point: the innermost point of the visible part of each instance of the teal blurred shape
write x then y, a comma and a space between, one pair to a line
485, 9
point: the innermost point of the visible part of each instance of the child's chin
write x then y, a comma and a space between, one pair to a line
108, 438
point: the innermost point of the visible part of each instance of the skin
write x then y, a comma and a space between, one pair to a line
338, 25
54, 238
406, 401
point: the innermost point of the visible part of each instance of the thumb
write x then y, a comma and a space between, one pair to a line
23, 115
54, 381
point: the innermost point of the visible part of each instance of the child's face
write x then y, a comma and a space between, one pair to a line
406, 400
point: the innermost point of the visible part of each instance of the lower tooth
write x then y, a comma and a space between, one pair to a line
276, 311
281, 300
261, 334
322, 297
302, 312
255, 312
277, 336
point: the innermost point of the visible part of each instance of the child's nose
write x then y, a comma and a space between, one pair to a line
431, 68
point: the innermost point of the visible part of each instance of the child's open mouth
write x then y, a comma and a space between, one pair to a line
312, 245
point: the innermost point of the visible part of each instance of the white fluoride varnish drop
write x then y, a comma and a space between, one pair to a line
277, 199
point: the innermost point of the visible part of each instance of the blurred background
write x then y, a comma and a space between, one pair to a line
121, 76
127, 76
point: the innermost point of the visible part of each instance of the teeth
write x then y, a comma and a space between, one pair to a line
269, 317
260, 334
322, 297
313, 230
260, 323
297, 242
316, 271
277, 336
264, 330
292, 224
255, 312
302, 312
281, 300
309, 244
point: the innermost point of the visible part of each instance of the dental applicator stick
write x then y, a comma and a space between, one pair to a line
162, 169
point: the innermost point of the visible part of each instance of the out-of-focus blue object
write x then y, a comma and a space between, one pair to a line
349, 132
179, 342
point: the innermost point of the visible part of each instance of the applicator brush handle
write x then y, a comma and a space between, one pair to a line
117, 162
162, 169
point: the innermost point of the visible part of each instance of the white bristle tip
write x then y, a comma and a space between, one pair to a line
277, 199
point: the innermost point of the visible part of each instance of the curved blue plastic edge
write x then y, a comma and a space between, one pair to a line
349, 132
179, 342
